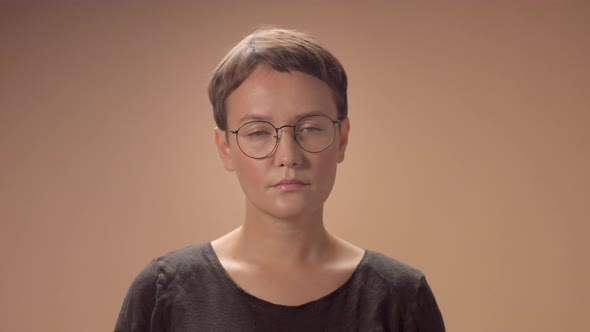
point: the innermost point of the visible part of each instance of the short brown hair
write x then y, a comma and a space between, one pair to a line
284, 51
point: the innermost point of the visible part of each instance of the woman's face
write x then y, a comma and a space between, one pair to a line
282, 99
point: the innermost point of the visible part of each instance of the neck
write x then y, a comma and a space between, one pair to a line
265, 239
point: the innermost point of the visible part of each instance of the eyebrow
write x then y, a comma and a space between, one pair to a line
258, 117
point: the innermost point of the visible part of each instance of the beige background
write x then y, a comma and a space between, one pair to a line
468, 155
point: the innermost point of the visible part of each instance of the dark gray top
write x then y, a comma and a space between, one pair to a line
189, 290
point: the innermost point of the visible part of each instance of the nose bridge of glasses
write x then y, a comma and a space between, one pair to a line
285, 126
293, 138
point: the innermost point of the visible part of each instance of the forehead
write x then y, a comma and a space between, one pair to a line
279, 97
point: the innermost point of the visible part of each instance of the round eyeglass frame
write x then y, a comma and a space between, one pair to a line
277, 139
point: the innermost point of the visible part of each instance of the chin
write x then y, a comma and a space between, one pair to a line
294, 211
287, 206
287, 214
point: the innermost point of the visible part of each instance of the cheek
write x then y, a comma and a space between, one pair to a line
326, 171
250, 173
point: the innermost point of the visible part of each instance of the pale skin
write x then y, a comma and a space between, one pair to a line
282, 253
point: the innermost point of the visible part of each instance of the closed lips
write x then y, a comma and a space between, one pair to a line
289, 182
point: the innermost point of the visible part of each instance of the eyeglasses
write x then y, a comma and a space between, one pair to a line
259, 139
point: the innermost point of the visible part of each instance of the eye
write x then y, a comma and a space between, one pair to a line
257, 130
310, 129
259, 133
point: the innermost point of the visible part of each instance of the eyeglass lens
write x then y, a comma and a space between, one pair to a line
258, 139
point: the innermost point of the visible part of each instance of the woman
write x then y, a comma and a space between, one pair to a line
280, 105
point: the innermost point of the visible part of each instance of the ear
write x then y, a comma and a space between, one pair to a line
223, 149
343, 138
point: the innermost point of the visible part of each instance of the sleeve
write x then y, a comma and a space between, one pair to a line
424, 314
140, 301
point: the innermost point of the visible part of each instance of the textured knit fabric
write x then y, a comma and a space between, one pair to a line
189, 290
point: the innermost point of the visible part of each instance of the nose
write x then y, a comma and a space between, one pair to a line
288, 152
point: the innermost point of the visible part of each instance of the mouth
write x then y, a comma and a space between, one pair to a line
290, 184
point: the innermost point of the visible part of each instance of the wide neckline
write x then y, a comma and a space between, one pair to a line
232, 284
